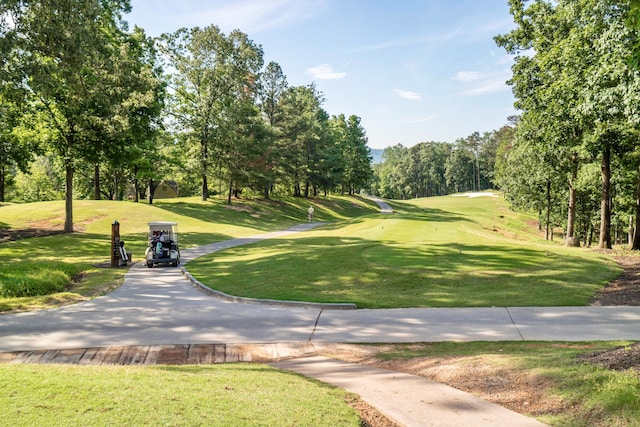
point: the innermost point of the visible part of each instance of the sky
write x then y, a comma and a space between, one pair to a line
412, 70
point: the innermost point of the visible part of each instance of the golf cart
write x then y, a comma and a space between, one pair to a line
163, 244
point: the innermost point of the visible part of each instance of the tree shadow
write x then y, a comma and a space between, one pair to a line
409, 211
374, 275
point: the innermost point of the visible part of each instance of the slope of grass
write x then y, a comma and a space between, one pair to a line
220, 395
435, 252
30, 264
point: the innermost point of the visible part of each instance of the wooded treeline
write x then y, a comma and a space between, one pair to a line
572, 154
90, 109
439, 168
575, 157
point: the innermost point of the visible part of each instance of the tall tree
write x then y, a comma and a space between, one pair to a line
17, 144
302, 124
214, 73
271, 87
351, 140
573, 85
65, 51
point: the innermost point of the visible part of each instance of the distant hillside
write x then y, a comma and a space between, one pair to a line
377, 155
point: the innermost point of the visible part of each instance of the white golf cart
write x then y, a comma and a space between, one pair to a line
163, 244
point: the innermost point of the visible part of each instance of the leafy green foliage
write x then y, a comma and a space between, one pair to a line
578, 98
438, 168
35, 278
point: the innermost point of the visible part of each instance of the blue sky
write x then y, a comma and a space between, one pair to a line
413, 70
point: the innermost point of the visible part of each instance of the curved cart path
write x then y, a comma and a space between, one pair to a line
161, 306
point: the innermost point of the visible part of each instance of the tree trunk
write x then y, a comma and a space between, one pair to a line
115, 196
478, 171
68, 199
539, 222
547, 232
205, 162
96, 182
636, 235
152, 189
230, 192
136, 184
605, 202
2, 182
571, 240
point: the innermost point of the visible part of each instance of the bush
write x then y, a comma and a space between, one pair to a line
35, 279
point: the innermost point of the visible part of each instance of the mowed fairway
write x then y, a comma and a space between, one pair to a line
37, 272
434, 252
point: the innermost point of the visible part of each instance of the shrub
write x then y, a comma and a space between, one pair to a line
34, 279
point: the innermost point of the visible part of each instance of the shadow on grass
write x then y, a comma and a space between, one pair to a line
374, 275
247, 215
89, 248
409, 211
270, 215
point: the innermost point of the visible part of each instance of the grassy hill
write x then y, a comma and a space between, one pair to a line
444, 251
40, 271
433, 252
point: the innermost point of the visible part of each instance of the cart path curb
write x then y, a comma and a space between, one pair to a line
280, 303
193, 253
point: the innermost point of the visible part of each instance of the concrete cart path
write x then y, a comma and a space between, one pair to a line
408, 400
160, 306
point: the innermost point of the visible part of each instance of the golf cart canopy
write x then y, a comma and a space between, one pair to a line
167, 228
162, 224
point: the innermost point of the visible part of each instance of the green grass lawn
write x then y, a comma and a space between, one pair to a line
257, 395
220, 395
446, 251
434, 252
37, 272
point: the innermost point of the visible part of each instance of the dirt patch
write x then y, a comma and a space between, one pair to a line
520, 391
7, 235
619, 359
624, 290
370, 416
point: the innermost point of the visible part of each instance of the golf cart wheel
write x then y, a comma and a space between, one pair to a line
150, 264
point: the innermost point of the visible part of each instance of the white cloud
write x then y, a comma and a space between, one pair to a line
325, 72
251, 16
488, 86
477, 83
405, 94
436, 39
467, 76
421, 120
